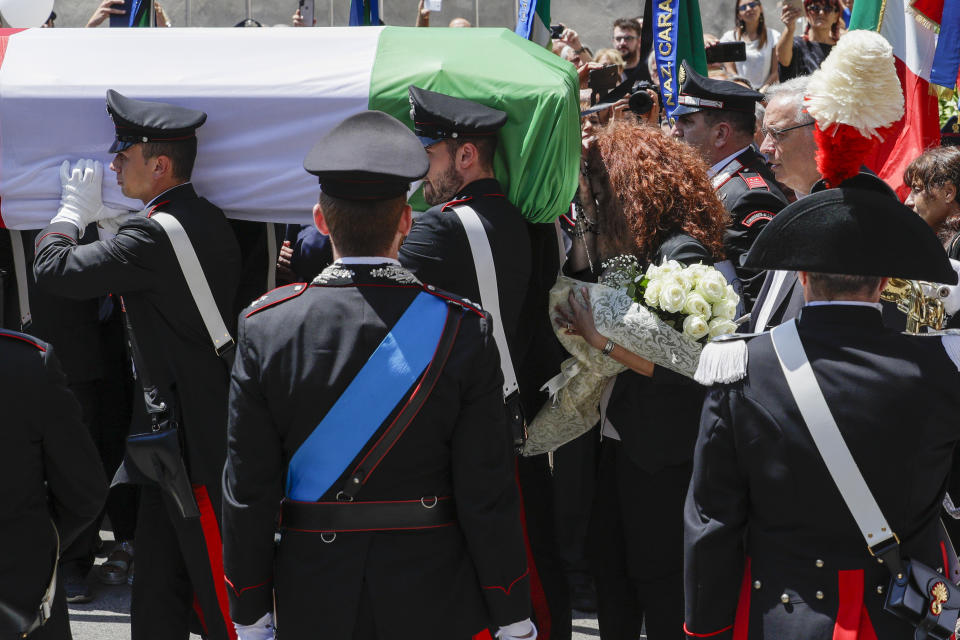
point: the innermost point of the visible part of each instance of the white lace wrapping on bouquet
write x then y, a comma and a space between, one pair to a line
575, 392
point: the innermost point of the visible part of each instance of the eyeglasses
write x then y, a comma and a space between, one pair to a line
624, 38
777, 134
816, 7
746, 7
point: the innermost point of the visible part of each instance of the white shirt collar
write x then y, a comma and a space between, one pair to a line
852, 303
715, 169
366, 260
151, 203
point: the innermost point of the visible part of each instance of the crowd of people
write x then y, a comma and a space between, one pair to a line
313, 430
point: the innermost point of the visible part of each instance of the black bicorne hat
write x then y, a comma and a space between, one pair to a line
851, 232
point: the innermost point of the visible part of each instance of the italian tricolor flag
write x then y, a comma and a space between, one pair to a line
270, 94
914, 41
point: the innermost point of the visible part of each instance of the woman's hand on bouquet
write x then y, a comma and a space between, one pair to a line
577, 319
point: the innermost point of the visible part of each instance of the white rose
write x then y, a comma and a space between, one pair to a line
653, 272
670, 267
696, 305
726, 309
672, 295
651, 295
712, 286
695, 327
684, 278
721, 327
697, 271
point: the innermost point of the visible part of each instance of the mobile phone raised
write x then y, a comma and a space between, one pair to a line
307, 13
124, 19
727, 52
603, 79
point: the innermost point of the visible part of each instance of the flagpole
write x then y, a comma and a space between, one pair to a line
249, 8
476, 13
186, 8
331, 13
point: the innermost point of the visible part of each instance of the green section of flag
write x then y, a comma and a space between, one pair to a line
541, 28
867, 14
538, 150
690, 36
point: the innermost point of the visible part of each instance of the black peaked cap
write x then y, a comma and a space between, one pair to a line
437, 116
852, 232
142, 121
368, 156
699, 93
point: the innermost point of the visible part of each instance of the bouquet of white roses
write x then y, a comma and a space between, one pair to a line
663, 314
695, 299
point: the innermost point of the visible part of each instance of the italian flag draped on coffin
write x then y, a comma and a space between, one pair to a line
270, 95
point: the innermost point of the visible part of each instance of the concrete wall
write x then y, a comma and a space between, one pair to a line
591, 18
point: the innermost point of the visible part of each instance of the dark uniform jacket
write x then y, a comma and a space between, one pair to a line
748, 191
49, 470
299, 348
657, 416
139, 264
437, 250
765, 522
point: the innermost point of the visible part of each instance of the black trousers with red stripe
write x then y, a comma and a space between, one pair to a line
178, 585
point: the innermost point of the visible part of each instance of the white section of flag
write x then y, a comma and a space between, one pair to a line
912, 42
270, 94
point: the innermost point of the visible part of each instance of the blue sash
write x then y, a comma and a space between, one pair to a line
371, 396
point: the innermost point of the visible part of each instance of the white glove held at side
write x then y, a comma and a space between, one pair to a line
523, 630
262, 629
80, 199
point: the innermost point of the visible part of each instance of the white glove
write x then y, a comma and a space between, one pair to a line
523, 630
262, 629
80, 199
112, 225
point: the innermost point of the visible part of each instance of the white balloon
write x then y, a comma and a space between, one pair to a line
26, 13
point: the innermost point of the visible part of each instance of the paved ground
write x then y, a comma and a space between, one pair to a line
108, 616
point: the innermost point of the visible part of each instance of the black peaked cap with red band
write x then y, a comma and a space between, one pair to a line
437, 116
139, 121
368, 156
851, 232
700, 93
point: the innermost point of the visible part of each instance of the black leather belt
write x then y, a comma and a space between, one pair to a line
398, 515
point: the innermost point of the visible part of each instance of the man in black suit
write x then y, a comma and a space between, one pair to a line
155, 150
772, 550
718, 119
53, 483
395, 523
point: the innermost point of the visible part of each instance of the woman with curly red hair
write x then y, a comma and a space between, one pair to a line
648, 196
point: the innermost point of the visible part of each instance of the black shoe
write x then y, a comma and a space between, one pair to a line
75, 586
584, 598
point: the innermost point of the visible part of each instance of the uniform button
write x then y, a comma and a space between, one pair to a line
880, 589
819, 564
819, 595
431, 287
298, 287
784, 598
757, 584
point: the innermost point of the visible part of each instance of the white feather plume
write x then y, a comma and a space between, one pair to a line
857, 85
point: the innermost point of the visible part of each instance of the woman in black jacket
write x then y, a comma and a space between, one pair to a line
647, 196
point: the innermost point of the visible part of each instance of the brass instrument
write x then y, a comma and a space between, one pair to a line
921, 301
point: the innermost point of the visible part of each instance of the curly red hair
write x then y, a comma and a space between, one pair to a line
656, 186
